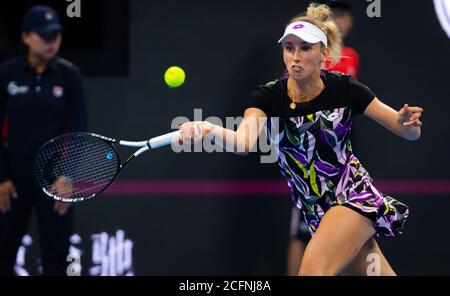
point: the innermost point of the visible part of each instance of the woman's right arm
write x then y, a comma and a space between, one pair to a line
240, 141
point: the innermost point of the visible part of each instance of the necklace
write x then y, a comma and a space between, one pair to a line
293, 105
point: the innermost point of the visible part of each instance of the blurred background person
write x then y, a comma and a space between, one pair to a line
343, 17
41, 96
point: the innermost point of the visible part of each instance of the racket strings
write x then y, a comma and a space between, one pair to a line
60, 168
84, 180
87, 173
76, 166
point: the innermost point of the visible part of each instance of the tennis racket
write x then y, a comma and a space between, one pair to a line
75, 167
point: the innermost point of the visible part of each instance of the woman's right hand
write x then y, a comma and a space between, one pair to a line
195, 130
7, 191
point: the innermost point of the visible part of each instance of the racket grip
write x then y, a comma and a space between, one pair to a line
163, 140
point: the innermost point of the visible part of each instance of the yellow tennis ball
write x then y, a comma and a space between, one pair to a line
174, 76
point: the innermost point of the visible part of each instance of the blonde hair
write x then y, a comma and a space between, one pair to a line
320, 16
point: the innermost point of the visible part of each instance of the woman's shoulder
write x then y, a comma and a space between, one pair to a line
341, 83
268, 96
272, 87
350, 91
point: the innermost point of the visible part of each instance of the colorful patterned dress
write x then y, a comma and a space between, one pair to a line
315, 153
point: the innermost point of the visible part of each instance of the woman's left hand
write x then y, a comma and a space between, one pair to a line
409, 116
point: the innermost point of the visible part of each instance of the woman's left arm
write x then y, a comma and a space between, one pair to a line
405, 122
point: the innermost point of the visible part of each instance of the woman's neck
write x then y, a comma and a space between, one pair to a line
305, 89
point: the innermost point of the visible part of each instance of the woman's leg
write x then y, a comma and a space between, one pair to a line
295, 253
338, 240
370, 261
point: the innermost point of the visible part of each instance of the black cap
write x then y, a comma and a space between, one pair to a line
42, 20
340, 5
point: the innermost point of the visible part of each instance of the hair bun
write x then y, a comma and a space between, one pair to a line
320, 12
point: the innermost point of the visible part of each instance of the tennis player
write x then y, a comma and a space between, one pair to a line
309, 116
348, 64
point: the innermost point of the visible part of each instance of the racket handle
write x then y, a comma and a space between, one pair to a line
163, 140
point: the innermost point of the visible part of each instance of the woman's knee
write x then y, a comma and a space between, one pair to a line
369, 262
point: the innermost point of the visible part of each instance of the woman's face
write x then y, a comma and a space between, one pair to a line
302, 59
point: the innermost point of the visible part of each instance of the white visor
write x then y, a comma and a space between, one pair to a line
305, 31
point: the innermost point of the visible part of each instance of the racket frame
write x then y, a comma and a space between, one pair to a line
144, 146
